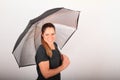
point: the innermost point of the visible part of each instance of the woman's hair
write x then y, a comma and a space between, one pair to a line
45, 45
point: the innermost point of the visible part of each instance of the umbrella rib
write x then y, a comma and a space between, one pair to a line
68, 39
74, 30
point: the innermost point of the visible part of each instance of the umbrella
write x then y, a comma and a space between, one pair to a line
65, 21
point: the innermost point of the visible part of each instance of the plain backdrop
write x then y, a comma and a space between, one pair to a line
94, 49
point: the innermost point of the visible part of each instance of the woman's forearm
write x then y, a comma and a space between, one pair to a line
51, 72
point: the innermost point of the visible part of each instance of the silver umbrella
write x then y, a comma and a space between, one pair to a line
65, 21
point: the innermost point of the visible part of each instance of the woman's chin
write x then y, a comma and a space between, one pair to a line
50, 42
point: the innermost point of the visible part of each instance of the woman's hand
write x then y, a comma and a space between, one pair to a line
65, 61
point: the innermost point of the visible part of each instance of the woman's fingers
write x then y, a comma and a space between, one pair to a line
66, 61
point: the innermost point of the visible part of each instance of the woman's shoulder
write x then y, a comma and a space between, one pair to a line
41, 47
40, 50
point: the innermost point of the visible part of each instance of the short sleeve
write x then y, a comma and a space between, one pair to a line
41, 55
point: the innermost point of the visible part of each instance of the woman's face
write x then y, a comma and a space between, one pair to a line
49, 35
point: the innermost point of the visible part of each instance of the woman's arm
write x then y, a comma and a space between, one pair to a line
47, 72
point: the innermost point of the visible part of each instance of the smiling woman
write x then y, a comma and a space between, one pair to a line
50, 62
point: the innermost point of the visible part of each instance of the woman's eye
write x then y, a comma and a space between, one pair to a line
53, 33
46, 34
50, 34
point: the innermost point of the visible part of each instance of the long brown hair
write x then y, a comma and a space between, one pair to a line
45, 45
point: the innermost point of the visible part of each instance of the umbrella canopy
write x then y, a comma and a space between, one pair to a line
65, 21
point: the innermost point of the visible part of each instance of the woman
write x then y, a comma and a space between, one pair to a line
50, 62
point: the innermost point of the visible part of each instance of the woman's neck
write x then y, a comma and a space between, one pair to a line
52, 46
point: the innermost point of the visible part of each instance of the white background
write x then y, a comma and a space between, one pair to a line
94, 50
